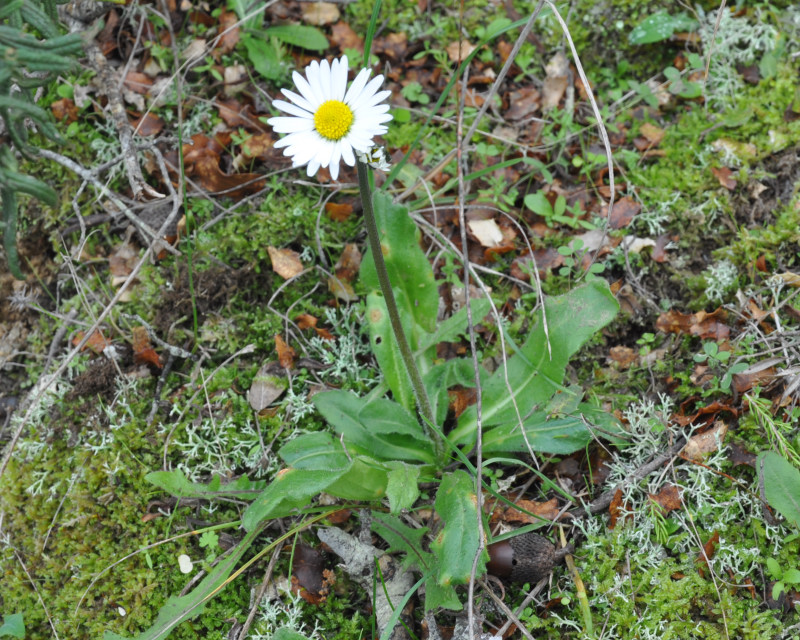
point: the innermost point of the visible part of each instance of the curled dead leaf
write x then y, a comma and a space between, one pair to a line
286, 354
285, 262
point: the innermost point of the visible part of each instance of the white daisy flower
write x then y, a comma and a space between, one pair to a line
375, 158
327, 124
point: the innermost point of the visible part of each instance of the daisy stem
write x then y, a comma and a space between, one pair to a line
421, 396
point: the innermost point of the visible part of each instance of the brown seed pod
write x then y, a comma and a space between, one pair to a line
525, 558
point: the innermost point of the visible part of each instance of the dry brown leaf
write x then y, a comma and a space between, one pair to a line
266, 388
202, 162
457, 51
652, 133
285, 262
486, 232
701, 324
148, 125
502, 512
669, 498
789, 279
625, 209
64, 109
709, 548
121, 261
346, 268
137, 82
342, 289
623, 356
523, 103
143, 352
338, 212
615, 509
725, 177
229, 31
319, 13
344, 37
544, 259
702, 444
97, 342
305, 320
552, 92
286, 354
760, 374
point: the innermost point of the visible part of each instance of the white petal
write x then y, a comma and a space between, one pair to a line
288, 107
357, 87
367, 93
299, 100
336, 157
347, 153
339, 78
291, 125
300, 139
325, 78
312, 169
305, 88
313, 75
379, 97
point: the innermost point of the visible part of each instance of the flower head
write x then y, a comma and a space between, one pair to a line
328, 121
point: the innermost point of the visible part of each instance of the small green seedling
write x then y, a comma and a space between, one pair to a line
789, 577
716, 360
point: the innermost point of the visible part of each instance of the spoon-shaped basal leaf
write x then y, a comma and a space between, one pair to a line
536, 373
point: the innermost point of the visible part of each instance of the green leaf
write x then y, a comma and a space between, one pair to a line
777, 589
380, 428
302, 36
387, 352
13, 625
535, 374
403, 539
354, 477
402, 489
365, 479
539, 204
264, 57
177, 609
177, 484
438, 596
660, 27
409, 270
285, 633
792, 576
455, 326
781, 485
774, 568
456, 545
557, 436
445, 375
291, 489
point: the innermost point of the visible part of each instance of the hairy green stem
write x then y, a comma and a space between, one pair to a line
421, 396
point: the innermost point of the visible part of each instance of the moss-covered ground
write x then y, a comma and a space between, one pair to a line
88, 546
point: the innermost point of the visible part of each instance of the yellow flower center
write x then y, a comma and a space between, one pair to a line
333, 119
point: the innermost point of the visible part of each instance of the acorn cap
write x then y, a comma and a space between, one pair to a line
525, 558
